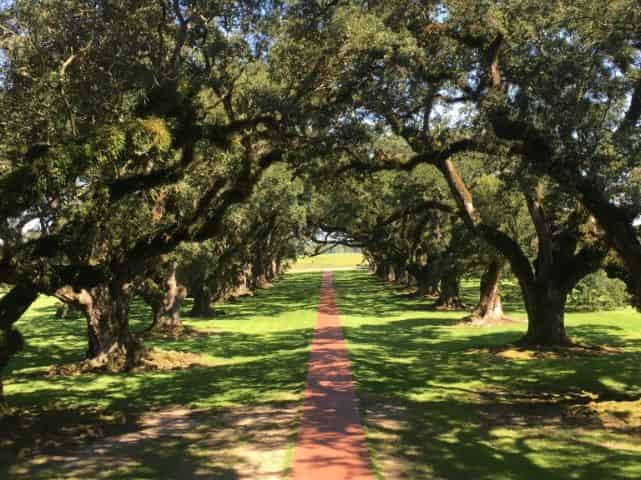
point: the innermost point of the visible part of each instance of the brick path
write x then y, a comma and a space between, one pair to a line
331, 442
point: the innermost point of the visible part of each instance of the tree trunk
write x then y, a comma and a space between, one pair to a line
426, 284
243, 286
172, 296
202, 303
545, 305
260, 281
557, 269
422, 287
449, 298
391, 274
404, 277
273, 271
618, 225
490, 309
259, 275
279, 267
12, 306
106, 309
259, 271
380, 271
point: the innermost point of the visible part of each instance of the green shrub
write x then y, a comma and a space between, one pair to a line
598, 292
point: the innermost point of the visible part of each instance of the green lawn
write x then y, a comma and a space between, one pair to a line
438, 404
258, 349
256, 353
328, 261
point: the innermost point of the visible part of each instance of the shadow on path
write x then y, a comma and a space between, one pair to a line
331, 441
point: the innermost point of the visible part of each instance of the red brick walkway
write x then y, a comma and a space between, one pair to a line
331, 442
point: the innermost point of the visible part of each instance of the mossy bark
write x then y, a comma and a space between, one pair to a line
106, 309
171, 296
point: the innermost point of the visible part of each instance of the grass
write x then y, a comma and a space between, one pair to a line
436, 401
328, 261
438, 404
255, 352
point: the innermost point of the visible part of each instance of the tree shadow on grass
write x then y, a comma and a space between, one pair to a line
440, 404
225, 443
368, 294
457, 440
404, 355
267, 366
255, 366
50, 340
466, 397
294, 292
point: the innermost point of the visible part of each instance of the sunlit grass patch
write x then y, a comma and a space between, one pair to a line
329, 261
459, 410
253, 352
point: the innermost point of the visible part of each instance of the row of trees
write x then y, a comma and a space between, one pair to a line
129, 129
505, 129
421, 241
251, 250
540, 103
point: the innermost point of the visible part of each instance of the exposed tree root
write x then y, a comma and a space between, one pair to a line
616, 414
537, 352
475, 320
152, 360
449, 305
171, 360
417, 294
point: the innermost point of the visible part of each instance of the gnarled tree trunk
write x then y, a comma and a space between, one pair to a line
257, 275
106, 309
404, 277
243, 286
272, 272
558, 266
545, 305
449, 297
489, 309
260, 281
391, 273
202, 302
426, 281
278, 264
166, 311
618, 223
381, 271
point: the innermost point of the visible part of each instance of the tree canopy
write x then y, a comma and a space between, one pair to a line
202, 140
